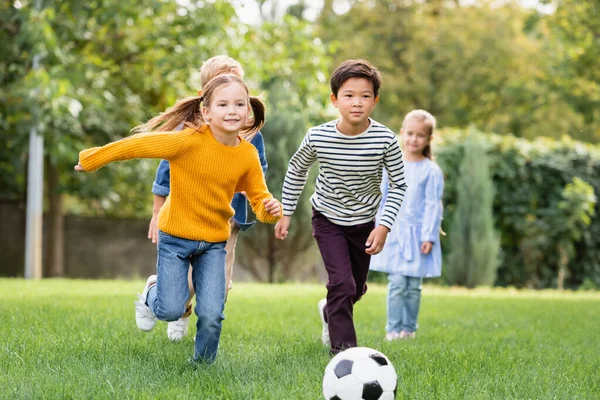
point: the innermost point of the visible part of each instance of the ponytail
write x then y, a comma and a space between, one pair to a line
258, 119
186, 111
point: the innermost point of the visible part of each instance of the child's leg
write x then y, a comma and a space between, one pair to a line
412, 302
357, 236
176, 330
209, 281
341, 288
230, 260
395, 302
168, 297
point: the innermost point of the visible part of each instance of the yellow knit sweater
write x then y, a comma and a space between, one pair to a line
205, 175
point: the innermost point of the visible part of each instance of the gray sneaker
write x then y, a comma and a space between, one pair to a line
324, 326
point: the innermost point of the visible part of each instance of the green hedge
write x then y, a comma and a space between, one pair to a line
536, 183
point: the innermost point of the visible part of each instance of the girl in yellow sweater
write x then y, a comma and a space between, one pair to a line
210, 162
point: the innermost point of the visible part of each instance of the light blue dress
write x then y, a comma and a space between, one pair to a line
418, 221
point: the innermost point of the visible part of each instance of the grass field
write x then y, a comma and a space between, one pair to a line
78, 339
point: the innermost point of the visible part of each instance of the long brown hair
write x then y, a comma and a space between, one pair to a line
429, 120
188, 111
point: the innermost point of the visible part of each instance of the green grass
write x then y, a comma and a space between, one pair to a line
78, 339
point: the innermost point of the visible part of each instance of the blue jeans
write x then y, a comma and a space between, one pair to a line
168, 297
404, 299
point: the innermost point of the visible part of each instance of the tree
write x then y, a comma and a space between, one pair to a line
483, 64
574, 48
473, 243
104, 70
554, 230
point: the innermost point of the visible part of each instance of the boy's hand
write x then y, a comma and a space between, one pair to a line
273, 207
153, 228
376, 240
79, 168
426, 247
281, 228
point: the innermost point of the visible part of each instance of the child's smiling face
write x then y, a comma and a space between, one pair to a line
228, 110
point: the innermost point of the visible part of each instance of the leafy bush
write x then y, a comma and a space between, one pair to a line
538, 183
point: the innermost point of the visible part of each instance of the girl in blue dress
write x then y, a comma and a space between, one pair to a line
412, 251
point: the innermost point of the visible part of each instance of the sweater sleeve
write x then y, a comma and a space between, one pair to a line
297, 174
397, 185
253, 183
432, 218
166, 145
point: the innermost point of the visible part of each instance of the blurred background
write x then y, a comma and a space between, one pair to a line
515, 87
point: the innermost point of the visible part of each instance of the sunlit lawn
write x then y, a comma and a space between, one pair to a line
78, 339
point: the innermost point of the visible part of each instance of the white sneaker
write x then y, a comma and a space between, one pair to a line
176, 330
324, 326
392, 336
404, 335
144, 316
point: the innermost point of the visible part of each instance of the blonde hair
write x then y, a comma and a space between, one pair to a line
426, 118
189, 110
219, 65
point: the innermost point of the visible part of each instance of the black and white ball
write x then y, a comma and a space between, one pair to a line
360, 373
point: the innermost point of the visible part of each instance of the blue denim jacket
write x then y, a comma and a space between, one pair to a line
162, 185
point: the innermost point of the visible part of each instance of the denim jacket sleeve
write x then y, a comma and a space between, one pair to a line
240, 203
162, 182
259, 143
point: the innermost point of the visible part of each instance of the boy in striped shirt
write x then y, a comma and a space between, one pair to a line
352, 152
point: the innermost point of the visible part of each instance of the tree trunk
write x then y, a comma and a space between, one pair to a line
563, 262
271, 258
55, 232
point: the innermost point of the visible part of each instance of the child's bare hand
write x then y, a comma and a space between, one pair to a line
281, 228
376, 240
426, 247
79, 168
153, 228
273, 207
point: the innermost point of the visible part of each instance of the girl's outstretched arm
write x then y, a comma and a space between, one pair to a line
166, 145
266, 208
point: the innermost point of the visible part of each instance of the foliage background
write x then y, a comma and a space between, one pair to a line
84, 74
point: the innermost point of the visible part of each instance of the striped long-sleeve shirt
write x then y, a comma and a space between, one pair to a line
348, 189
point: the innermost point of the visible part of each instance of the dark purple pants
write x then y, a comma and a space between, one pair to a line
347, 265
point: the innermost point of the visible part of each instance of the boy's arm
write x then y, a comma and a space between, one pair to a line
296, 175
166, 145
397, 185
384, 192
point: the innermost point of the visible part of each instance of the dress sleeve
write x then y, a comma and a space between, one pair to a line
432, 219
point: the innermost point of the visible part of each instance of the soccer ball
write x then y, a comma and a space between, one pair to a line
359, 373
